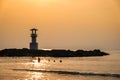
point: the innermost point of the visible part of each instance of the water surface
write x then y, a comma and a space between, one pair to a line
72, 68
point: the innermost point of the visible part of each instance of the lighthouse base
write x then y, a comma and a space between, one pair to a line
34, 46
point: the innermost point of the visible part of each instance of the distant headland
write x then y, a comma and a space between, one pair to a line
34, 51
49, 53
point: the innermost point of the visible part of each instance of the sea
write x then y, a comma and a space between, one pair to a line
66, 68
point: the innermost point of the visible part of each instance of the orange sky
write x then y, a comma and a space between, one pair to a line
62, 24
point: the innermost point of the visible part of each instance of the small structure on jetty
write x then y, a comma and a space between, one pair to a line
33, 44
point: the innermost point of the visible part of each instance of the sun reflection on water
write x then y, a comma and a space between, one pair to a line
35, 76
36, 65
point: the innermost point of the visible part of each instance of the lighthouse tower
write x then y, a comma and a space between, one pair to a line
33, 44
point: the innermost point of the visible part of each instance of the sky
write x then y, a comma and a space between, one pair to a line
61, 24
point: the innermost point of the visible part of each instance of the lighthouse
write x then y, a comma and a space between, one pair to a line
33, 44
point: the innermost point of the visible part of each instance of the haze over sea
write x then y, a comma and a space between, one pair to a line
71, 68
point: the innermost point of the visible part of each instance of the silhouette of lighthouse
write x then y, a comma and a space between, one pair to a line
33, 44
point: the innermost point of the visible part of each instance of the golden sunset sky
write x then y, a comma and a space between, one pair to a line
62, 24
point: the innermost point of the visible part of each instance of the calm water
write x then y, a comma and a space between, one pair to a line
80, 68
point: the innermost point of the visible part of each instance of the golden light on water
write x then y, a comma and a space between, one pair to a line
36, 64
47, 49
35, 61
35, 76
